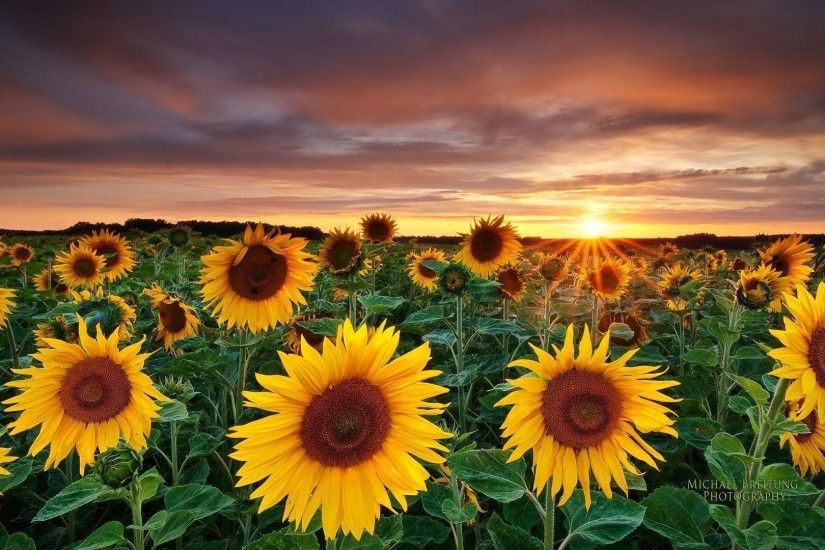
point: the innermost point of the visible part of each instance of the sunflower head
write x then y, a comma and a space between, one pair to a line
254, 282
21, 254
176, 319
807, 449
49, 281
668, 249
490, 244
179, 236
177, 388
297, 333
341, 251
118, 255
790, 257
6, 305
633, 319
739, 264
109, 311
759, 288
511, 283
80, 266
580, 414
420, 274
673, 278
608, 278
85, 396
551, 268
344, 424
454, 278
378, 228
118, 466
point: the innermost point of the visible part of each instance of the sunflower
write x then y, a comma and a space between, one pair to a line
454, 278
760, 287
49, 281
348, 427
253, 283
551, 268
110, 310
5, 458
378, 228
341, 251
668, 249
80, 266
490, 244
739, 264
633, 319
806, 449
176, 320
790, 257
674, 277
55, 328
511, 283
297, 333
803, 350
86, 396
179, 236
609, 278
422, 275
118, 253
582, 414
21, 254
6, 305
371, 265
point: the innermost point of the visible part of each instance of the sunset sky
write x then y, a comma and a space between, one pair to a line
672, 118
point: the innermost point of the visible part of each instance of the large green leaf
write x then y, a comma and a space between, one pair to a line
508, 537
607, 521
376, 303
107, 535
679, 515
759, 536
185, 504
285, 539
81, 492
488, 472
727, 460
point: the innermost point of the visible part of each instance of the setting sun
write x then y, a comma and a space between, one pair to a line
593, 227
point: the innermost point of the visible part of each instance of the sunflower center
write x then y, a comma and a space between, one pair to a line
172, 316
84, 267
110, 252
810, 421
95, 389
486, 245
605, 279
779, 263
816, 354
580, 408
425, 271
345, 425
260, 274
511, 282
377, 231
342, 253
22, 253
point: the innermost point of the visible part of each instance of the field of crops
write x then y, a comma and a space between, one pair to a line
178, 390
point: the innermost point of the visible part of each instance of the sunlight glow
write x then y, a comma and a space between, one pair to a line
593, 227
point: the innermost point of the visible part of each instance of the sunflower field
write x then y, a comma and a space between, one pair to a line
177, 390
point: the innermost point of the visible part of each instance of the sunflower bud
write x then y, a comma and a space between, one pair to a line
178, 237
754, 295
454, 278
177, 388
116, 467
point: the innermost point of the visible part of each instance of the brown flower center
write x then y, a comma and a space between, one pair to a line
816, 354
110, 252
377, 231
779, 263
810, 421
22, 253
580, 408
511, 282
486, 245
260, 274
95, 390
425, 271
342, 254
172, 316
604, 279
345, 425
84, 267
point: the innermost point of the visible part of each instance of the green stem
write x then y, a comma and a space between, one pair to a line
459, 364
549, 520
242, 366
594, 321
820, 500
353, 307
15, 358
505, 314
137, 516
458, 531
173, 436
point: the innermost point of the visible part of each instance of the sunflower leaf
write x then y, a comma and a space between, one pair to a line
679, 515
487, 471
81, 492
607, 521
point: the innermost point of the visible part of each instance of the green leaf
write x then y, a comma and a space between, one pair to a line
322, 327
432, 314
441, 337
798, 526
487, 471
420, 530
700, 356
173, 410
697, 431
165, 526
748, 353
202, 500
19, 541
727, 460
679, 515
521, 513
620, 331
453, 514
759, 536
508, 537
783, 479
607, 521
19, 471
81, 492
434, 498
285, 539
202, 444
459, 379
488, 326
105, 536
759, 394
380, 304
148, 484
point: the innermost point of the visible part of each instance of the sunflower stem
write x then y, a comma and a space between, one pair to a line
505, 315
594, 321
137, 516
458, 531
459, 364
15, 358
243, 363
549, 519
173, 451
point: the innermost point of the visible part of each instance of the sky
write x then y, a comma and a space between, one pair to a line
636, 119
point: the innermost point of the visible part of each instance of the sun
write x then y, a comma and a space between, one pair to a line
593, 228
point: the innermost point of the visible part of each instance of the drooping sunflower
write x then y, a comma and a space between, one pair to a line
297, 333
5, 458
117, 251
608, 278
511, 283
6, 305
49, 281
254, 283
581, 414
176, 319
490, 244
761, 287
340, 252
633, 319
420, 274
348, 428
674, 277
551, 268
85, 396
806, 449
790, 257
80, 266
21, 254
110, 310
803, 350
378, 228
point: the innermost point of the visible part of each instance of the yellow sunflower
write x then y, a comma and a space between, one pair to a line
49, 281
806, 449
551, 268
511, 283
116, 251
761, 287
633, 319
349, 424
421, 274
5, 458
21, 254
803, 350
581, 414
674, 277
490, 244
790, 257
371, 264
85, 397
609, 278
340, 252
55, 328
6, 305
254, 283
378, 228
176, 320
80, 267
112, 310
668, 249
